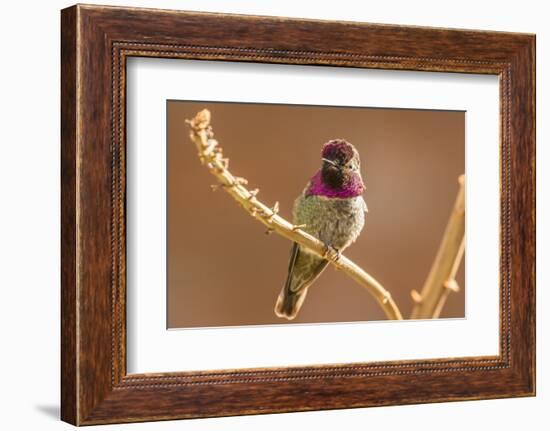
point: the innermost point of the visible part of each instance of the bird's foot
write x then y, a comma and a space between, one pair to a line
331, 253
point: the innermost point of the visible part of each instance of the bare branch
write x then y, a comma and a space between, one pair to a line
441, 279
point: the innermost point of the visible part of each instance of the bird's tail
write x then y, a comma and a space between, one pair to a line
289, 303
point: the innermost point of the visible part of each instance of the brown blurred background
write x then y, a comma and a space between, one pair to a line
223, 270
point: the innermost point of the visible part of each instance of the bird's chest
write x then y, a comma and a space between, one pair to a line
334, 221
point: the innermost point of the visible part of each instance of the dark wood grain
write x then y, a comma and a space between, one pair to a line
96, 41
68, 218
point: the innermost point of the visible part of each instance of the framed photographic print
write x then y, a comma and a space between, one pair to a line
265, 215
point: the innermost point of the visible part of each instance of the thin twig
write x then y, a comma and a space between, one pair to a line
210, 154
441, 279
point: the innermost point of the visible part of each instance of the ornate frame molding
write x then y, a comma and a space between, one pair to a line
96, 41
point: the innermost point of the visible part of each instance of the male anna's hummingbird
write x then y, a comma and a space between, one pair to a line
333, 210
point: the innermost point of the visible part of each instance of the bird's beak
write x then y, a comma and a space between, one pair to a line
330, 162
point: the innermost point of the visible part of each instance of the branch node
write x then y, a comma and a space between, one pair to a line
209, 131
416, 297
209, 146
239, 181
269, 231
253, 194
452, 285
273, 212
298, 226
215, 187
201, 120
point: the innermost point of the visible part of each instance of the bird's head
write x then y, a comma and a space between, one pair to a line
341, 165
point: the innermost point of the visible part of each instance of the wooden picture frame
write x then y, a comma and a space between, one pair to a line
95, 43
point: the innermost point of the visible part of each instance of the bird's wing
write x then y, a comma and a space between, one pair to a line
303, 269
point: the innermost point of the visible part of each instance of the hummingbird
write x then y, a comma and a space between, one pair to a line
332, 209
